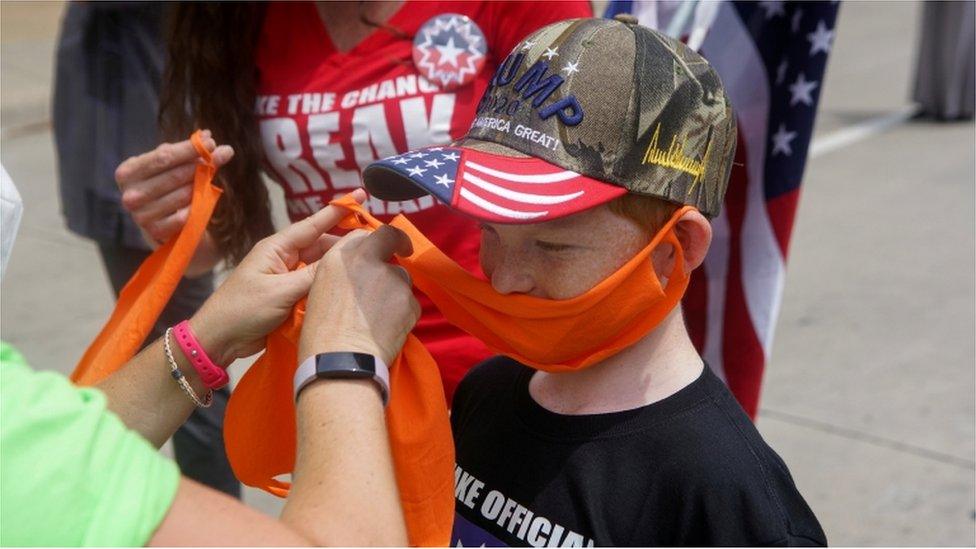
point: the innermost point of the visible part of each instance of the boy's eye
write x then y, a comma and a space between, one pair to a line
552, 246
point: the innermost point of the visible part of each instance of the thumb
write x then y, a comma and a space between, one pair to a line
222, 155
296, 284
386, 241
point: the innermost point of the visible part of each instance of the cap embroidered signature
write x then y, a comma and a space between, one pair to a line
674, 157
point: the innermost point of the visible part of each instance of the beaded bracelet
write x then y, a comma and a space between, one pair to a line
174, 370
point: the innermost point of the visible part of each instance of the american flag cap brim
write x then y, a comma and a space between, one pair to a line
489, 182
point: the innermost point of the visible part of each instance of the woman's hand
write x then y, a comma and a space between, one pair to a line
157, 186
260, 293
359, 301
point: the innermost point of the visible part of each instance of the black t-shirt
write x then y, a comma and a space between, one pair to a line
688, 470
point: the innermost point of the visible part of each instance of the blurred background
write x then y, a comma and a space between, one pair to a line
869, 392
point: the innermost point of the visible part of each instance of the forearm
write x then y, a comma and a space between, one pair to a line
145, 396
203, 517
344, 490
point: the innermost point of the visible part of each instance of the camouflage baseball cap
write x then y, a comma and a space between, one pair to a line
580, 112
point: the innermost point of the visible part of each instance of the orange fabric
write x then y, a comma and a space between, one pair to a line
550, 335
145, 295
259, 429
260, 424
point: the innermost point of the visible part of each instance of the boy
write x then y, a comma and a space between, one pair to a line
591, 141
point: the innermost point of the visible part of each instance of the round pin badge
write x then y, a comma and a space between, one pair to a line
449, 50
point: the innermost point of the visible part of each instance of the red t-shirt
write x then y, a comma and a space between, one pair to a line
325, 115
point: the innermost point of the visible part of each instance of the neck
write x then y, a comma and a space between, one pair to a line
343, 20
657, 366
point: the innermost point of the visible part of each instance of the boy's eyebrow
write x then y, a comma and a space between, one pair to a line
560, 223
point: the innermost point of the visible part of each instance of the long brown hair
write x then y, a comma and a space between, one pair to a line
211, 82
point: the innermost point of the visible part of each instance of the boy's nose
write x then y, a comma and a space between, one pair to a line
508, 278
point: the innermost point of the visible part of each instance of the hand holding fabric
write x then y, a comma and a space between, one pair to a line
261, 292
157, 185
359, 301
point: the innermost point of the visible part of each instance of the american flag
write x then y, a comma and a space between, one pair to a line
435, 168
500, 189
772, 57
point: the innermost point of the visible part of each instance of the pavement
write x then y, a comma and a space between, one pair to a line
869, 396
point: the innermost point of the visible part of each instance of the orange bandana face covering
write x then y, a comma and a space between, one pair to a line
549, 335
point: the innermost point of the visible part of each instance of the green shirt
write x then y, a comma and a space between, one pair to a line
71, 472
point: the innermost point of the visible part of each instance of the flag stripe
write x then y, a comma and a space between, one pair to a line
495, 208
742, 356
731, 50
522, 178
782, 210
524, 198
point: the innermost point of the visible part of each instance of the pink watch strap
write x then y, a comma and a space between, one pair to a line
213, 376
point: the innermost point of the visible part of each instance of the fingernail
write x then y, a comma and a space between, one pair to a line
226, 152
205, 133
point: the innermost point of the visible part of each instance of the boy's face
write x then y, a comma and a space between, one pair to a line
559, 259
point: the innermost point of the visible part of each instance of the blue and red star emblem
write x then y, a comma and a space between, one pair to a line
449, 50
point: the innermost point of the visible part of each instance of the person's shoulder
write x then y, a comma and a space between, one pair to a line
720, 463
116, 496
714, 441
31, 392
10, 355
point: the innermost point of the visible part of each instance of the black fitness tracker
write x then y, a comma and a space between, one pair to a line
343, 365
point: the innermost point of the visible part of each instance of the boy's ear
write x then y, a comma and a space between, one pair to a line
694, 232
